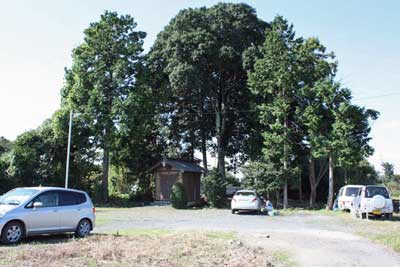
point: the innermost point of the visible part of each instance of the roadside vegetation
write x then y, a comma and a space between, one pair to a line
200, 88
138, 249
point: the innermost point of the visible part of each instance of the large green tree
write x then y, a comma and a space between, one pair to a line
336, 129
103, 73
275, 82
38, 157
198, 65
5, 158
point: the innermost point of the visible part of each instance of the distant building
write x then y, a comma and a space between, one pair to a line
167, 172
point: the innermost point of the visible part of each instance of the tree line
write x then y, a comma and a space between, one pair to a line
217, 80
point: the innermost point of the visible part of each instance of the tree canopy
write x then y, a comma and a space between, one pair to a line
218, 80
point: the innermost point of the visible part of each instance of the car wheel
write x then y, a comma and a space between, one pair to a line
363, 215
83, 229
12, 233
233, 211
389, 216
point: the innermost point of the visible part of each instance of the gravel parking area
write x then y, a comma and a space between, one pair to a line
310, 239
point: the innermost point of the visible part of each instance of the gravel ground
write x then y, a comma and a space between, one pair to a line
311, 240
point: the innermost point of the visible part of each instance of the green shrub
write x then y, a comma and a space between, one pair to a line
214, 188
119, 200
178, 196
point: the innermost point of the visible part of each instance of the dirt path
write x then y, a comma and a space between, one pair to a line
311, 240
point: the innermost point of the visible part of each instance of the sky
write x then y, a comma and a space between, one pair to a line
37, 37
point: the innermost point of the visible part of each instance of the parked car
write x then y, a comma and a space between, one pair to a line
32, 211
346, 196
245, 200
372, 200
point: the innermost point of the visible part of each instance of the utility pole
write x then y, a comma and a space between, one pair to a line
68, 148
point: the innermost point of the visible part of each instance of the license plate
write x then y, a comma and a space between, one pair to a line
376, 212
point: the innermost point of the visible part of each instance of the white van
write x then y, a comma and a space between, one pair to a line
346, 196
373, 200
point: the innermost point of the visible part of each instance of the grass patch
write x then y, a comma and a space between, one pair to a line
175, 249
284, 258
221, 235
136, 232
391, 240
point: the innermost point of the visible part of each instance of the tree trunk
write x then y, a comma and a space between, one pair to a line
330, 193
285, 165
346, 176
277, 198
192, 145
285, 196
204, 149
203, 134
220, 127
313, 182
300, 188
106, 165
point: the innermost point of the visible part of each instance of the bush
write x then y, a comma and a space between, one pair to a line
119, 200
214, 188
178, 196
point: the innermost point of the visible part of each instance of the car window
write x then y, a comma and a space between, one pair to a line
17, 196
376, 190
351, 191
245, 194
68, 198
49, 199
341, 191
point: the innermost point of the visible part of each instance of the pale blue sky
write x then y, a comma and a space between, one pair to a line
37, 38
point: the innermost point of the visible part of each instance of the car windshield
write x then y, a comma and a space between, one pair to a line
351, 191
17, 196
245, 194
376, 190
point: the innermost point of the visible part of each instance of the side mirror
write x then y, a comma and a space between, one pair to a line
37, 205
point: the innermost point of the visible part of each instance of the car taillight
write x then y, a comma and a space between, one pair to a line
94, 210
254, 199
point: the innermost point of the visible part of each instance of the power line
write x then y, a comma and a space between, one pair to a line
377, 96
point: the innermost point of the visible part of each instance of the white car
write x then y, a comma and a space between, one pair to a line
372, 200
245, 200
29, 211
346, 196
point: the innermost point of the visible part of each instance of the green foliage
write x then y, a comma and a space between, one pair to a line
218, 79
232, 180
6, 182
214, 188
38, 157
178, 196
102, 78
275, 81
388, 172
262, 177
197, 64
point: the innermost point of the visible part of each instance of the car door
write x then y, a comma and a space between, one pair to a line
70, 209
45, 218
357, 200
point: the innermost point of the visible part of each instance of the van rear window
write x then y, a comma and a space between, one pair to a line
351, 191
376, 190
245, 194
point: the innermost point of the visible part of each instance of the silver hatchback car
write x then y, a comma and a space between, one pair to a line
29, 211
